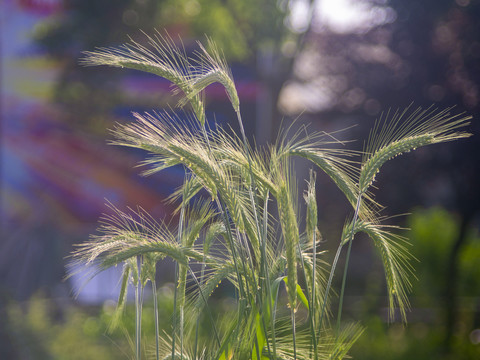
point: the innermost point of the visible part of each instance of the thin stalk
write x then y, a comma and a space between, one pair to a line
174, 315
202, 274
181, 331
138, 311
273, 316
137, 342
314, 294
292, 314
311, 305
174, 318
142, 292
347, 259
155, 311
334, 265
267, 276
329, 284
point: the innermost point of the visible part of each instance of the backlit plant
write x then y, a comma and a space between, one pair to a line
226, 225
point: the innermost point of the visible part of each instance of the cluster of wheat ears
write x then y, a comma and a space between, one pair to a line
226, 229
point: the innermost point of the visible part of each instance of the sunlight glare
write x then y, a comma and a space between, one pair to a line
347, 16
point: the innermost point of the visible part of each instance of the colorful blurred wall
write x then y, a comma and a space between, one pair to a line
57, 171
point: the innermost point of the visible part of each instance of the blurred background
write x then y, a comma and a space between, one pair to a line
331, 64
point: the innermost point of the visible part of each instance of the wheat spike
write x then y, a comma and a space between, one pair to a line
396, 261
404, 132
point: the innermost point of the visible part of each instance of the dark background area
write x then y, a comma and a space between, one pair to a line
329, 66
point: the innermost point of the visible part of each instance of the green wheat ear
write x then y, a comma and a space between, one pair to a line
286, 205
162, 57
212, 68
396, 261
404, 132
312, 214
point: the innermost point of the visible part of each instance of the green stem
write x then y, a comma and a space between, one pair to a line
138, 311
334, 265
314, 295
181, 331
267, 275
310, 307
329, 284
292, 314
202, 274
347, 259
174, 317
155, 310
